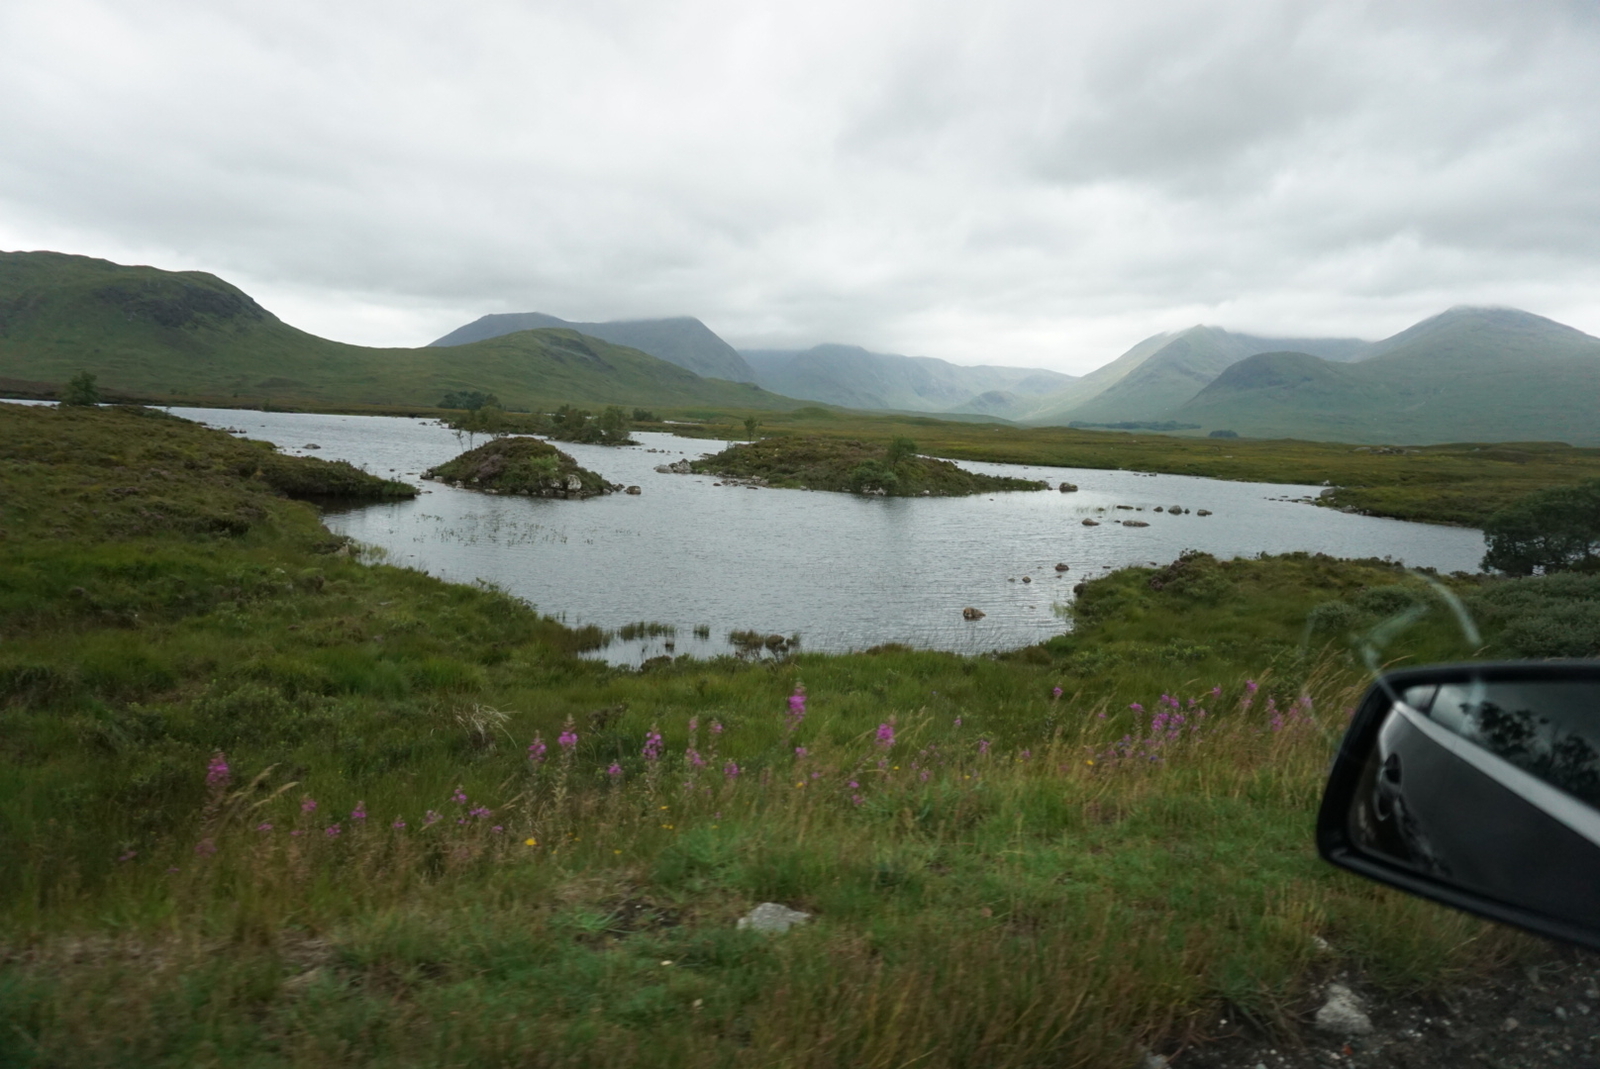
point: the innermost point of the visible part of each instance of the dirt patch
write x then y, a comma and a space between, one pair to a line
1544, 1016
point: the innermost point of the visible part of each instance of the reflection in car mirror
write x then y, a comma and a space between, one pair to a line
1477, 785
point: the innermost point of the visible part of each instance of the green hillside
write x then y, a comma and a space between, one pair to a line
1164, 371
164, 335
681, 340
1470, 374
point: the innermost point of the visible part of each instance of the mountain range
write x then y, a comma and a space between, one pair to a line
844, 375
156, 334
681, 340
1467, 374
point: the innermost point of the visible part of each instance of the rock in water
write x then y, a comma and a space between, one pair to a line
969, 613
772, 917
1069, 488
1061, 567
1091, 523
1342, 1015
634, 490
1134, 523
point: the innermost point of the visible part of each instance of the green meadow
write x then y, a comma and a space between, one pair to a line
265, 803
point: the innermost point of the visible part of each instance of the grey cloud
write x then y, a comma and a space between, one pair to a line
1021, 180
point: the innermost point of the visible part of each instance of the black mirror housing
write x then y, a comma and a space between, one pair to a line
1478, 786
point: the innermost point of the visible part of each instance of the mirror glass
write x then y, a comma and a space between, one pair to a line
1547, 728
1492, 786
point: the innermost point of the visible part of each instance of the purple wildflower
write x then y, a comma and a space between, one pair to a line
731, 770
1055, 693
399, 824
459, 797
983, 746
958, 721
614, 771
264, 826
1251, 685
480, 812
886, 735
652, 746
537, 749
800, 752
332, 832
1136, 707
309, 805
716, 727
431, 818
568, 739
856, 799
217, 771
693, 757
358, 815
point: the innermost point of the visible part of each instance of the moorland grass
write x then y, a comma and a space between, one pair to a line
263, 804
1455, 484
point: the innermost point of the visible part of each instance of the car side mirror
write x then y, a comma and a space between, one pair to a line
1477, 785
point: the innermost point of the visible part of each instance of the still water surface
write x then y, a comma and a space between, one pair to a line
844, 572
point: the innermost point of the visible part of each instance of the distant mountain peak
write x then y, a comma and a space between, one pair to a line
681, 340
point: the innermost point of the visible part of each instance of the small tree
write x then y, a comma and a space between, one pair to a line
81, 390
750, 425
613, 425
900, 449
1551, 530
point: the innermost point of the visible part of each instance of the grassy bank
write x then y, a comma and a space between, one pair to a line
1456, 484
814, 462
263, 804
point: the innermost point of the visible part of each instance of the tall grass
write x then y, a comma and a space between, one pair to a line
1059, 889
264, 804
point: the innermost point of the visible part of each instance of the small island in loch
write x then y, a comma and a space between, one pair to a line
525, 466
820, 463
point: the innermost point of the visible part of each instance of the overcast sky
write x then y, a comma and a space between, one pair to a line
1003, 181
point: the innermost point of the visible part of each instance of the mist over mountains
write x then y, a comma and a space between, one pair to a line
1467, 374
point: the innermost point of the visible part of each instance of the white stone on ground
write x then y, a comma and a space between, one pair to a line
773, 917
1342, 1013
